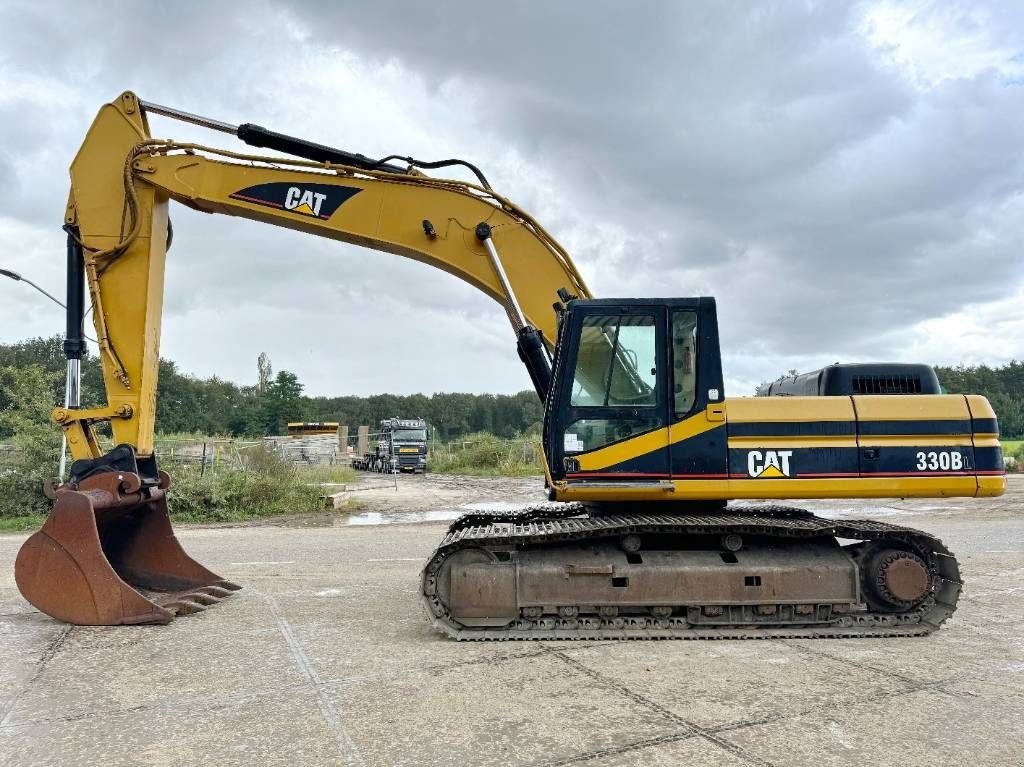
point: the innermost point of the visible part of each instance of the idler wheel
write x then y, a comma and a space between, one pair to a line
732, 542
631, 543
898, 578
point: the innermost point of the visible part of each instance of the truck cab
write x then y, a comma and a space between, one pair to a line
403, 444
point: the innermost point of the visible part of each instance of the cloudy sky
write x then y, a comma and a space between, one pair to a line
846, 180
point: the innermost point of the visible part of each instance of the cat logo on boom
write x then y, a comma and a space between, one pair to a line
769, 463
307, 201
313, 200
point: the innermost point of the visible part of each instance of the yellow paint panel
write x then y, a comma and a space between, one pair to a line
917, 407
646, 443
980, 406
623, 451
788, 409
853, 487
990, 487
916, 440
769, 489
691, 427
785, 443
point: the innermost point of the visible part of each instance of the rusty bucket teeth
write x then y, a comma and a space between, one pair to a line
217, 592
105, 544
184, 606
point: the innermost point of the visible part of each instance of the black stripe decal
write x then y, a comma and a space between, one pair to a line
989, 458
791, 429
985, 426
899, 428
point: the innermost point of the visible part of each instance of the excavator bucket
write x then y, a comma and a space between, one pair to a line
107, 556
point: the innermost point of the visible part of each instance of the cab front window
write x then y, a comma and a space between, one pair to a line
615, 365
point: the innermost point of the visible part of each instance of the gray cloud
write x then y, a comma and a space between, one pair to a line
830, 194
729, 131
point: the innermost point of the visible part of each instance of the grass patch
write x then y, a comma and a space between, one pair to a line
1013, 451
327, 474
18, 524
484, 455
263, 485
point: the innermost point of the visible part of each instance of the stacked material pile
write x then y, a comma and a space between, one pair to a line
311, 449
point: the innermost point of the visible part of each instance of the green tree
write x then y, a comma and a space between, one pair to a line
282, 402
28, 396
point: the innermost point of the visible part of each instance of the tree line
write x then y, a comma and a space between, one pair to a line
186, 403
1003, 386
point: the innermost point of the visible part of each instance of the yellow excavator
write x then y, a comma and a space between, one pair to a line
643, 451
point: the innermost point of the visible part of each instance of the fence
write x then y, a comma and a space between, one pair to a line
312, 450
325, 451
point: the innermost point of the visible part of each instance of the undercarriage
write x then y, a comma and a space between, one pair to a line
572, 571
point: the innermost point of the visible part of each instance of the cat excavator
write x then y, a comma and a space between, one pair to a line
665, 514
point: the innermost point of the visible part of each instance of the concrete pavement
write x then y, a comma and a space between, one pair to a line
326, 658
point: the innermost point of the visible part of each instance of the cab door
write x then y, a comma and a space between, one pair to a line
697, 409
610, 416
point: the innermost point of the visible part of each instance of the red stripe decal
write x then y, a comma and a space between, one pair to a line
258, 202
619, 475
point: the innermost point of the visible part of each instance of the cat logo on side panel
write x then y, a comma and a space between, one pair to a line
768, 464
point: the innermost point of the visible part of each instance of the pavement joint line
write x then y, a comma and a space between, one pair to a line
495, 659
48, 653
207, 702
256, 694
489, 659
913, 685
689, 727
846, 661
347, 748
638, 745
851, 702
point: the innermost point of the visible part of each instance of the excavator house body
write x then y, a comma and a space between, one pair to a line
638, 413
642, 442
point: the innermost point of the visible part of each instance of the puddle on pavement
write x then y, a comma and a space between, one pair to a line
446, 515
493, 506
402, 517
862, 512
408, 517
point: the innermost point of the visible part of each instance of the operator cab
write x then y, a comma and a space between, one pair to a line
628, 369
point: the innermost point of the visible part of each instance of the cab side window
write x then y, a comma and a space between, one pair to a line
684, 361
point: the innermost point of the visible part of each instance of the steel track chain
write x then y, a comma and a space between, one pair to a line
550, 523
